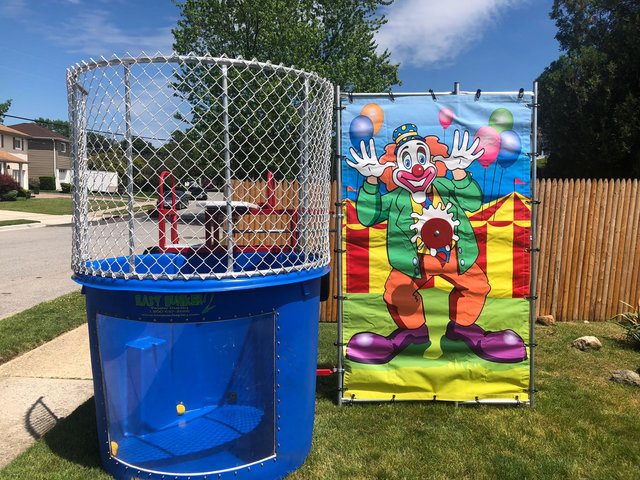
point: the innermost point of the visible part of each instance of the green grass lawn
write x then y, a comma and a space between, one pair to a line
37, 325
20, 221
55, 206
583, 426
51, 206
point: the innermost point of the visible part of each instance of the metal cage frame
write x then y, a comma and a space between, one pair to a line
211, 111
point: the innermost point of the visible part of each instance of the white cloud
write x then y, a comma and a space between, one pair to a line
93, 32
82, 28
423, 32
13, 8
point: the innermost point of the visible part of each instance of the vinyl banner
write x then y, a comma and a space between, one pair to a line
435, 247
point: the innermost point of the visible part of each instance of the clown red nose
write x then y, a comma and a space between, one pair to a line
417, 170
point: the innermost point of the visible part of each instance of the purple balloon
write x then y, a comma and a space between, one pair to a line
510, 147
361, 128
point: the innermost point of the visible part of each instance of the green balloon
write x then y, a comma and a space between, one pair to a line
501, 119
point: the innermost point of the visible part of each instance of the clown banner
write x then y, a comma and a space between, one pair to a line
436, 237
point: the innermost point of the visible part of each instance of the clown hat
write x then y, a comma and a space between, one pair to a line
404, 133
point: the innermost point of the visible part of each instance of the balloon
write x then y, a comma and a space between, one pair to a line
501, 119
509, 148
445, 117
361, 128
375, 114
490, 141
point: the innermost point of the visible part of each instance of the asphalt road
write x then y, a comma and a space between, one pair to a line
35, 265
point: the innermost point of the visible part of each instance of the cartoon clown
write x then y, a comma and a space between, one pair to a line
428, 235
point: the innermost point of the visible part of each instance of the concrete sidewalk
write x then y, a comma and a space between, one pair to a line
42, 218
40, 388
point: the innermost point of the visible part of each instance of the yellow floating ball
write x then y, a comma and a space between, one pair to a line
114, 449
180, 409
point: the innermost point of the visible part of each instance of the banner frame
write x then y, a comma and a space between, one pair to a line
340, 96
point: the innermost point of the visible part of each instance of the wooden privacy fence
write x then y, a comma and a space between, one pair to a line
589, 261
588, 232
286, 196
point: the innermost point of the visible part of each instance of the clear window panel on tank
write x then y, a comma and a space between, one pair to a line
182, 397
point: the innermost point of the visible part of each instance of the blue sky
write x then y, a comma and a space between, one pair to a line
494, 45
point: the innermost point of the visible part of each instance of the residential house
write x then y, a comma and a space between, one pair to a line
14, 152
49, 153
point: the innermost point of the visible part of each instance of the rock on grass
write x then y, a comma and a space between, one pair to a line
588, 341
626, 376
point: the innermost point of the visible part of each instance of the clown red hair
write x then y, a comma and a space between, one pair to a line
436, 148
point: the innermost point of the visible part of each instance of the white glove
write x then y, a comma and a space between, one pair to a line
461, 154
367, 164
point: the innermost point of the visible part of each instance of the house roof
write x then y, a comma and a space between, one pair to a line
7, 157
36, 131
12, 131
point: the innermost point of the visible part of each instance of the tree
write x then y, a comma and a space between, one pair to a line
59, 126
590, 96
4, 108
334, 38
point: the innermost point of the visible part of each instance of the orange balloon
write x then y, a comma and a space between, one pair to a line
375, 114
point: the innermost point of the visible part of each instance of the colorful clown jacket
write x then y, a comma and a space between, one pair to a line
396, 207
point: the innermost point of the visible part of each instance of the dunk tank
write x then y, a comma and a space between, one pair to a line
201, 217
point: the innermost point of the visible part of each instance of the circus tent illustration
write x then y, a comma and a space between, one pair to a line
502, 229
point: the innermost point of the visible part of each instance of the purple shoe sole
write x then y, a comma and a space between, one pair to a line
373, 349
504, 346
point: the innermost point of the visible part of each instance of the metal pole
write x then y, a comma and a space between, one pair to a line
456, 88
227, 168
72, 91
534, 213
397, 95
304, 169
129, 154
84, 192
338, 251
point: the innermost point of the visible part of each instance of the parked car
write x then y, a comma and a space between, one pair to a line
210, 185
182, 200
197, 193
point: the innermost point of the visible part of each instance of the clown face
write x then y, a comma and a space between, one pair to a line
415, 169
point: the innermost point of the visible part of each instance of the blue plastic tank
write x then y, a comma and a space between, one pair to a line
209, 379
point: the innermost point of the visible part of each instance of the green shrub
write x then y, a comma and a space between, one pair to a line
48, 183
10, 196
7, 184
34, 183
66, 187
630, 321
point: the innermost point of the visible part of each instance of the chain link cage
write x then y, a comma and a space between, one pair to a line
195, 167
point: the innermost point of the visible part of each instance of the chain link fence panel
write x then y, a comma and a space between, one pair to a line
192, 167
